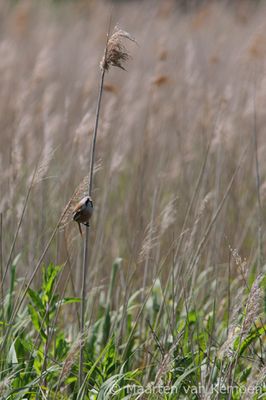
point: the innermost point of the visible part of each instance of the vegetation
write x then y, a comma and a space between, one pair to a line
164, 296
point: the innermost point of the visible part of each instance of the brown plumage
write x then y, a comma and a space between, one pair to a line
82, 212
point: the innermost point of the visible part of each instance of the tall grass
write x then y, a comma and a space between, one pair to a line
174, 303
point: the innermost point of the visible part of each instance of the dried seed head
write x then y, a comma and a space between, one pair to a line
168, 215
253, 305
80, 191
71, 358
4, 386
116, 53
43, 166
150, 241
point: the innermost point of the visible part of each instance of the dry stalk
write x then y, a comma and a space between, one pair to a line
115, 54
258, 183
9, 260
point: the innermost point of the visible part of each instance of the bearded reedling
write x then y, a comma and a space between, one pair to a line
83, 211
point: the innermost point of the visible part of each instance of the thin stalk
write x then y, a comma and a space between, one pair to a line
68, 263
20, 301
1, 265
150, 234
86, 242
139, 314
195, 192
259, 213
2, 289
3, 277
228, 294
114, 55
183, 231
194, 258
147, 259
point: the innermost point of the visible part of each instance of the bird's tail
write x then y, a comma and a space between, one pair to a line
80, 230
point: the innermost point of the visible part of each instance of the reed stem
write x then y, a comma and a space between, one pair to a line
85, 261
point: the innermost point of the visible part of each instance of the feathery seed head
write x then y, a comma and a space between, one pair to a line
116, 53
253, 305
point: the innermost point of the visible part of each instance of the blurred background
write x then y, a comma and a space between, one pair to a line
172, 132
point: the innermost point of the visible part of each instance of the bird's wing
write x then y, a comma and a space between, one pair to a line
77, 208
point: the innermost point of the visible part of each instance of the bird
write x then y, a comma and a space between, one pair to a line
82, 212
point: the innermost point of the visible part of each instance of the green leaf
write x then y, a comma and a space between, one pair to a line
260, 332
49, 277
11, 290
36, 321
35, 298
115, 267
191, 317
34, 317
67, 300
21, 350
27, 344
12, 355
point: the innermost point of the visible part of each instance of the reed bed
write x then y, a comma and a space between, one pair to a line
168, 301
